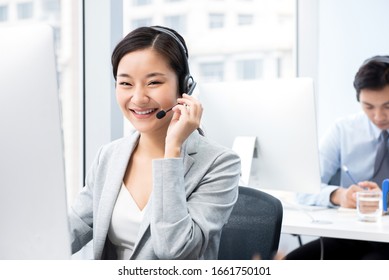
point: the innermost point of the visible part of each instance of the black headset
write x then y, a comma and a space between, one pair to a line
377, 58
374, 59
189, 83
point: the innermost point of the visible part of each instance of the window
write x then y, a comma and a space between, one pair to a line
141, 22
141, 2
212, 71
51, 6
25, 10
245, 19
224, 36
176, 22
216, 21
279, 67
249, 69
3, 13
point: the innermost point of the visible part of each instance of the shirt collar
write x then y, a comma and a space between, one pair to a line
376, 130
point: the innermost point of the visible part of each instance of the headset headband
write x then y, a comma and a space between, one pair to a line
378, 58
166, 31
188, 84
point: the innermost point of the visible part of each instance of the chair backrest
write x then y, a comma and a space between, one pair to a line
254, 227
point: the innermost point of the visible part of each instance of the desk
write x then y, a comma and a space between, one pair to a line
297, 219
344, 224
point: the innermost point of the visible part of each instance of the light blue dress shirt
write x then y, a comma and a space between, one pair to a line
351, 141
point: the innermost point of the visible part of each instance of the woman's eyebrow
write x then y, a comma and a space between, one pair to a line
124, 75
153, 74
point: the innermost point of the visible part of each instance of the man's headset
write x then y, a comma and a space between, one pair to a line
378, 58
374, 59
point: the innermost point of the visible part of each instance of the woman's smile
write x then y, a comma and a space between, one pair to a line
143, 113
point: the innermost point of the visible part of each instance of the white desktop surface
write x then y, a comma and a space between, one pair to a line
344, 224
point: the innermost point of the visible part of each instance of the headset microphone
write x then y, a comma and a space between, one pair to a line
162, 113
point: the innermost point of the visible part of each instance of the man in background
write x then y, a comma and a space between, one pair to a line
359, 144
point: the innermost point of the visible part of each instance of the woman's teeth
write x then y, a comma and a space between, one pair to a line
144, 112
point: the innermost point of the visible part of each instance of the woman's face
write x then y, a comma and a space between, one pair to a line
145, 84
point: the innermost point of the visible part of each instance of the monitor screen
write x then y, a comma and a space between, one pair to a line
272, 126
33, 208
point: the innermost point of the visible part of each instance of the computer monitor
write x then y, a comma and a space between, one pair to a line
272, 126
33, 208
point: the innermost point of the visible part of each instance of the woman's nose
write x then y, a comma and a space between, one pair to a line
140, 96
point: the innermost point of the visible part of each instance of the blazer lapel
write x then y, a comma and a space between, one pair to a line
189, 148
110, 191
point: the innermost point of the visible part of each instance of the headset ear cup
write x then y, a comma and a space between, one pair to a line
188, 83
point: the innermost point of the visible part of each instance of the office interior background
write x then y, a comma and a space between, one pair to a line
228, 40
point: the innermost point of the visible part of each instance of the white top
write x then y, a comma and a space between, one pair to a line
125, 222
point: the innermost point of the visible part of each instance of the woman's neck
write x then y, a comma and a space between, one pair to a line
151, 146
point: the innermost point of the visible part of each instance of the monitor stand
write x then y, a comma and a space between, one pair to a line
245, 146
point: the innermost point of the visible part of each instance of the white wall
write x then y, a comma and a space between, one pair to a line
344, 34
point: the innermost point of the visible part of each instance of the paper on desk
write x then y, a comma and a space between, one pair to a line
297, 206
344, 209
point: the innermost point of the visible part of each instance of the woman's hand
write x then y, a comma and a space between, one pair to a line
186, 118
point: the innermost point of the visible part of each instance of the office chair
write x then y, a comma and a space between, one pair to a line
254, 227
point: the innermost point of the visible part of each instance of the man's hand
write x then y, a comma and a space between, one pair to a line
347, 197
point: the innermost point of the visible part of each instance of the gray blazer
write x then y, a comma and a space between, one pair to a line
192, 199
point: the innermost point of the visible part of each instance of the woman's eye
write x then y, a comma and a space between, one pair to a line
155, 83
124, 84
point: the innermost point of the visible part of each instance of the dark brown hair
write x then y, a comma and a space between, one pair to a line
167, 46
373, 74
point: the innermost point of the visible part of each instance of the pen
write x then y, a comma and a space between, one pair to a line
345, 169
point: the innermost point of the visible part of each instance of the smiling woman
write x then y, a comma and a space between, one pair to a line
164, 191
145, 84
